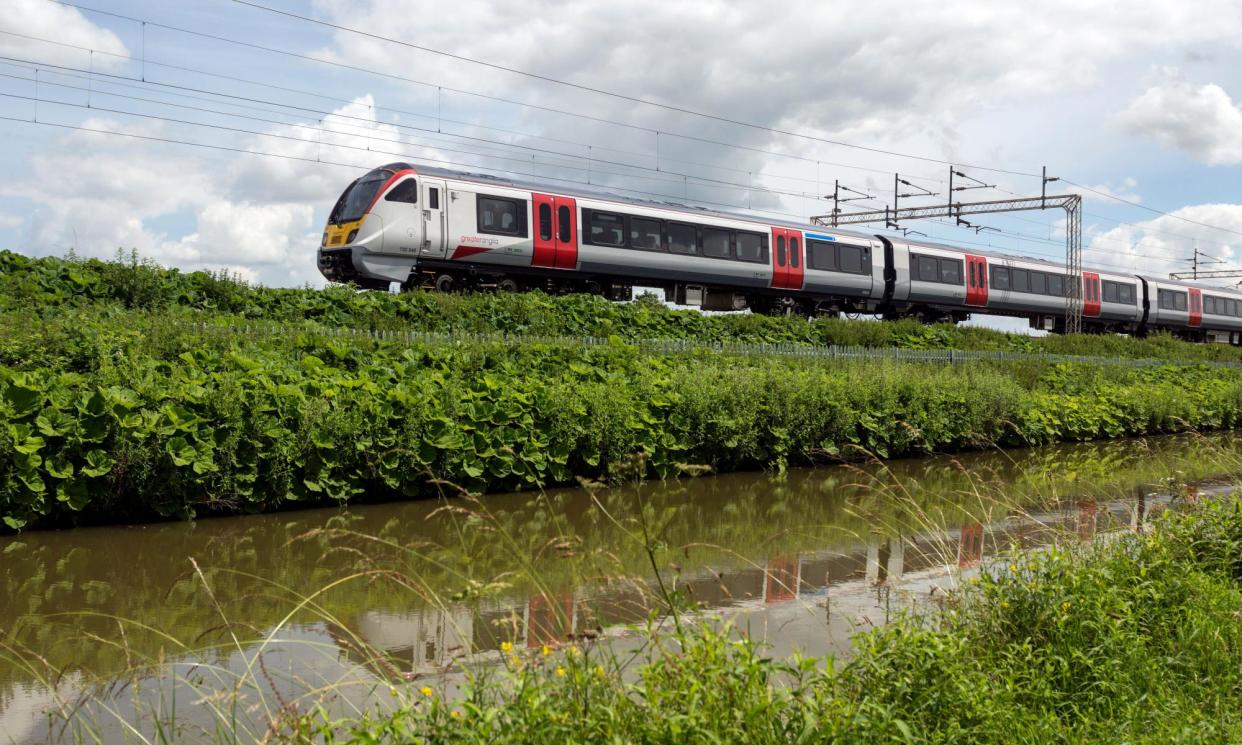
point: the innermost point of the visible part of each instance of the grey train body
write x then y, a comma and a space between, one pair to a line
444, 230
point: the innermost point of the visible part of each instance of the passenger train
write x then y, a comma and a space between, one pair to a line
446, 230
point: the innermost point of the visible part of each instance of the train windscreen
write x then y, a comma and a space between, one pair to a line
354, 202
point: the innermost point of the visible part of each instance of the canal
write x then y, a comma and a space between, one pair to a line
223, 623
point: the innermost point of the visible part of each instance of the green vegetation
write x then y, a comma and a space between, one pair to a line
1136, 640
51, 285
112, 412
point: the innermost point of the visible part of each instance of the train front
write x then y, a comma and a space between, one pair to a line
353, 245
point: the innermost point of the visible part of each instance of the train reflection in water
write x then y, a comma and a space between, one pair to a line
853, 587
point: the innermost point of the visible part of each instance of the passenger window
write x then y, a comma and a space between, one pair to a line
927, 269
1056, 285
433, 198
1110, 291
406, 191
794, 252
565, 223
750, 247
545, 222
607, 229
1125, 294
821, 256
681, 238
1039, 283
1021, 280
1000, 278
716, 243
1179, 301
502, 216
644, 233
780, 250
951, 271
851, 259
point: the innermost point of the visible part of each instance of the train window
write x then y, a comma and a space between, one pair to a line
1233, 307
1039, 283
927, 271
750, 247
780, 250
853, 259
951, 271
433, 198
406, 191
564, 224
681, 238
1000, 278
645, 233
795, 252
545, 222
1179, 300
716, 243
1125, 294
821, 256
502, 216
1110, 292
1056, 285
607, 229
1021, 280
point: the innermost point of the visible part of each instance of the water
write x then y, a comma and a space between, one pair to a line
101, 626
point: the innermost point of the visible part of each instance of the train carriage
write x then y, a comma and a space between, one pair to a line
446, 230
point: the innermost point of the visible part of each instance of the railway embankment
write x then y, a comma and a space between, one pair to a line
131, 392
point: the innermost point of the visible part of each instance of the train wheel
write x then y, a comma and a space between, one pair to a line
445, 283
507, 285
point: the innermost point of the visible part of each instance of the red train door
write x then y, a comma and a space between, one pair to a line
780, 258
566, 233
796, 255
788, 256
976, 280
1196, 307
556, 232
1090, 294
545, 231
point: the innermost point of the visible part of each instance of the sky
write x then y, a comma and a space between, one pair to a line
212, 134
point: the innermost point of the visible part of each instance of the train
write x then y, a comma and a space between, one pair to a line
446, 231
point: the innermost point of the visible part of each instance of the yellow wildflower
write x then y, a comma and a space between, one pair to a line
456, 713
426, 691
1013, 567
560, 671
506, 647
546, 650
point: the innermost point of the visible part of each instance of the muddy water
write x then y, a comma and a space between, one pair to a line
146, 624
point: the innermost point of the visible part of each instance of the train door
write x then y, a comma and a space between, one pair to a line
433, 197
1196, 307
545, 230
976, 280
556, 232
783, 240
1090, 294
793, 278
566, 233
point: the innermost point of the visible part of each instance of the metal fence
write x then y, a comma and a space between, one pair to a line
689, 346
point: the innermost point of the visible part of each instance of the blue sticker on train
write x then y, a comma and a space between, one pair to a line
817, 236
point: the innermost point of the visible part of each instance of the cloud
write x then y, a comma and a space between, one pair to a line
1106, 193
1201, 121
63, 24
10, 221
1163, 245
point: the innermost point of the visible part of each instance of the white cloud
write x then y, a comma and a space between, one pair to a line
1201, 121
47, 20
1108, 192
1164, 244
10, 221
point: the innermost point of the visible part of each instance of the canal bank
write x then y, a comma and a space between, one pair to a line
332, 608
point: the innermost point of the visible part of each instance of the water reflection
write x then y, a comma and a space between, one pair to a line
424, 588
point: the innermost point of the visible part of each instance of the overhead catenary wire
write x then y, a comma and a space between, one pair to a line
658, 132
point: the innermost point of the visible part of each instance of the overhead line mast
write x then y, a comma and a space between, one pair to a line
1071, 203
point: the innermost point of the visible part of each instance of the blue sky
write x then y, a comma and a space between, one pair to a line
1138, 102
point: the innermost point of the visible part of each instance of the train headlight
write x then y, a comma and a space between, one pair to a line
324, 242
352, 235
